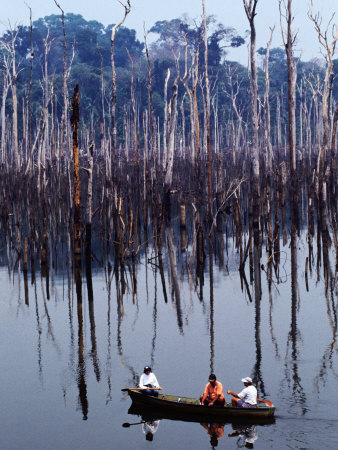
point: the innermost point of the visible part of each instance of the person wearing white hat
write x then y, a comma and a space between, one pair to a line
247, 398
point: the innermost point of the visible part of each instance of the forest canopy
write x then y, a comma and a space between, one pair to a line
88, 56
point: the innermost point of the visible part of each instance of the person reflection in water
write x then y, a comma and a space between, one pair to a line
215, 431
247, 435
149, 428
149, 380
213, 393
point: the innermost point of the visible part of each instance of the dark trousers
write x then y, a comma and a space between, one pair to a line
150, 391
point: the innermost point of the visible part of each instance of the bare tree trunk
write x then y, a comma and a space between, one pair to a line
267, 129
165, 121
47, 44
127, 9
207, 110
30, 83
103, 126
171, 147
250, 9
151, 108
329, 49
333, 147
11, 70
289, 43
5, 87
77, 211
64, 121
279, 128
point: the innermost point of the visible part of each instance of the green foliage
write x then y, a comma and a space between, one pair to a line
88, 46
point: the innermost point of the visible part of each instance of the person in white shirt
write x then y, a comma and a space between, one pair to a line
149, 380
247, 398
150, 428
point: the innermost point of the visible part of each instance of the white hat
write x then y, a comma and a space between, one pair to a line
247, 380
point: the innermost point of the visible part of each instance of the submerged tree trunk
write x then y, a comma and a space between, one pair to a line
207, 110
250, 9
77, 212
127, 9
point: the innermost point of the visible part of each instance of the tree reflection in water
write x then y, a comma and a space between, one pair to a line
150, 257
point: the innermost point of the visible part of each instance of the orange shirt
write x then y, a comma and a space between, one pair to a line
214, 391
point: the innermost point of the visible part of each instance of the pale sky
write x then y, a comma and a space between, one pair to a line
229, 12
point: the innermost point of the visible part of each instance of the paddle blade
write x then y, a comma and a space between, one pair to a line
126, 425
265, 401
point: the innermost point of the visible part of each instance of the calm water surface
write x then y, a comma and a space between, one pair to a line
63, 367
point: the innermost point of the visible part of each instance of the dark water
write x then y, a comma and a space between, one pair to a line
63, 367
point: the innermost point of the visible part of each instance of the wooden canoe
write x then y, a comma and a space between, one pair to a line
169, 406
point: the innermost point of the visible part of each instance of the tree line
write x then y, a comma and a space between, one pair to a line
38, 52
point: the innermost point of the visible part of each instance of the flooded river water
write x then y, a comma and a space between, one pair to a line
64, 362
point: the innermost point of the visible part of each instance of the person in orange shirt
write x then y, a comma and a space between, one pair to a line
213, 393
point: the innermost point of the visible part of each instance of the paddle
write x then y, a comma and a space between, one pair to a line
141, 389
265, 401
127, 425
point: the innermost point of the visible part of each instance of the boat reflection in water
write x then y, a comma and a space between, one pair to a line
246, 433
215, 431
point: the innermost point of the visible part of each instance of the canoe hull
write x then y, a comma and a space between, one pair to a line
168, 406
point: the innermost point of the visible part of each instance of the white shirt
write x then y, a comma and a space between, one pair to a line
249, 395
148, 379
150, 426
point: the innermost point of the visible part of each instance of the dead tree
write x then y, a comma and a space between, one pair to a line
47, 42
207, 109
329, 49
75, 117
64, 121
192, 74
5, 88
250, 10
267, 129
171, 146
133, 106
11, 69
232, 93
127, 9
103, 126
151, 108
30, 81
289, 39
165, 120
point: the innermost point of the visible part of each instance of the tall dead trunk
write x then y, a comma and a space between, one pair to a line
75, 117
127, 9
5, 88
267, 129
133, 106
151, 107
289, 39
207, 110
329, 49
11, 69
250, 9
171, 147
64, 118
30, 82
165, 120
